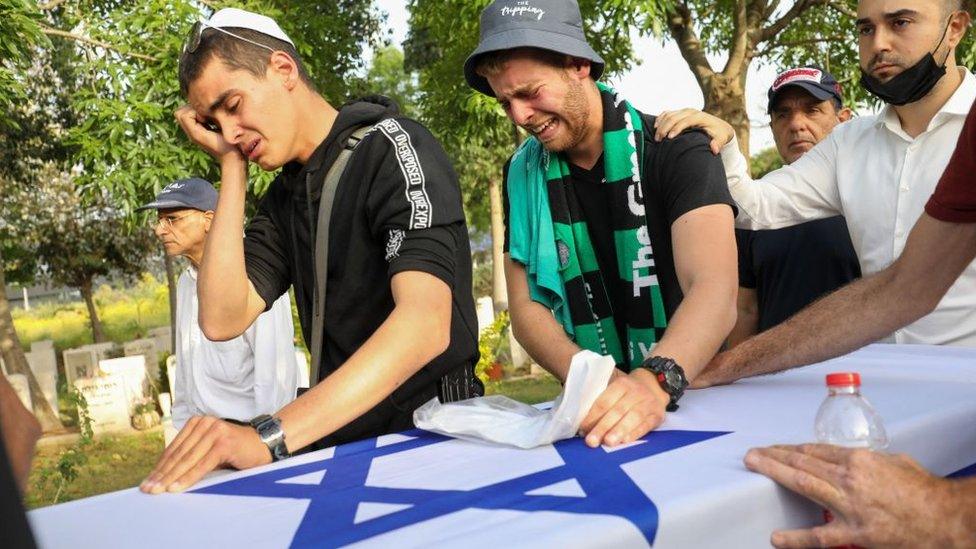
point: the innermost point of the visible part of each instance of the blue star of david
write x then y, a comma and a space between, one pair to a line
329, 520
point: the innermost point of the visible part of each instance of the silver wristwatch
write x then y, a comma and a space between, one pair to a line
269, 429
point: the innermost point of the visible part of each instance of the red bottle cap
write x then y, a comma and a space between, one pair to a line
844, 379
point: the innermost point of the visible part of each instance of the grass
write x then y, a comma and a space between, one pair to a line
116, 462
531, 390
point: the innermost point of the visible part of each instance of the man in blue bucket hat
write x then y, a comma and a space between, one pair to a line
615, 243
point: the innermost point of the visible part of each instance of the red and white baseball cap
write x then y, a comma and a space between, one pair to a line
812, 79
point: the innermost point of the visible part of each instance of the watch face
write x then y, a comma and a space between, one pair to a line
674, 379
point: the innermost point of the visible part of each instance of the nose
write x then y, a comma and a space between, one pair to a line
230, 131
797, 122
878, 42
160, 229
521, 111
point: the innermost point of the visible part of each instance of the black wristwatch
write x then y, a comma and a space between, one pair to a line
269, 429
670, 376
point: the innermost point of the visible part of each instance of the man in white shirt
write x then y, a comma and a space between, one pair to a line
877, 171
252, 374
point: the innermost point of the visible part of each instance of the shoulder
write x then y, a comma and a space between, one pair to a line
689, 140
855, 128
400, 131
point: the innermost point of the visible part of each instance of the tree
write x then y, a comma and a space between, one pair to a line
84, 237
765, 161
31, 140
126, 55
472, 127
127, 138
743, 31
388, 76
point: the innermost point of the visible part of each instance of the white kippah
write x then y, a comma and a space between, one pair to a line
242, 19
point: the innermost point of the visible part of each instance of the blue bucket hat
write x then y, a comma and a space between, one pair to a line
554, 25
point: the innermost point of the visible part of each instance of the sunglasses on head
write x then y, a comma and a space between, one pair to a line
196, 34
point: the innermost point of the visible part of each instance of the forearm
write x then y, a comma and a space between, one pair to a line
223, 284
857, 314
868, 309
401, 346
543, 338
20, 431
960, 507
699, 325
782, 198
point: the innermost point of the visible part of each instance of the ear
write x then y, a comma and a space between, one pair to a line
578, 67
207, 220
845, 114
285, 68
959, 23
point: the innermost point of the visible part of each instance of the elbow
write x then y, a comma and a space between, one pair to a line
517, 322
435, 332
215, 330
727, 315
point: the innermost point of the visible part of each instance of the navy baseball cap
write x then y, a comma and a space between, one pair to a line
554, 25
812, 79
194, 193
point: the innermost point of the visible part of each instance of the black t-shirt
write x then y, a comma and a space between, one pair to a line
397, 208
791, 267
14, 530
680, 175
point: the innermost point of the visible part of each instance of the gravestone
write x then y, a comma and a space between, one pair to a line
43, 345
107, 401
131, 373
44, 363
486, 313
102, 351
146, 348
164, 339
78, 364
21, 387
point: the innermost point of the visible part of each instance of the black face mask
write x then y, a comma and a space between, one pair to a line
911, 84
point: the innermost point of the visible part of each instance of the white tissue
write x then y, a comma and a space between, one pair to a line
501, 420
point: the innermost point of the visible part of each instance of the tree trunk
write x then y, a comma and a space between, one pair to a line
98, 333
16, 361
171, 286
498, 289
725, 98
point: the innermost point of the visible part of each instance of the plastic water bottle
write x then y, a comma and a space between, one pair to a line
847, 419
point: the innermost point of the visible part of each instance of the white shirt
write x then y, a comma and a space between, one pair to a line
879, 178
252, 374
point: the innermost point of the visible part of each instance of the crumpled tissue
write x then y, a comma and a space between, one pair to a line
501, 420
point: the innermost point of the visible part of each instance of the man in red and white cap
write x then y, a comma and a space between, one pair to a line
805, 104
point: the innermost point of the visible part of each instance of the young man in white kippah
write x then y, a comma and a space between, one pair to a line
390, 257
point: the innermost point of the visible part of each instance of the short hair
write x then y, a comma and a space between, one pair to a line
950, 6
490, 63
236, 54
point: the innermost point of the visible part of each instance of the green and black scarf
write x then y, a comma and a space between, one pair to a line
586, 291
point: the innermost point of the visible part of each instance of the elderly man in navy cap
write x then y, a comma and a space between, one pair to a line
775, 282
615, 243
254, 373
